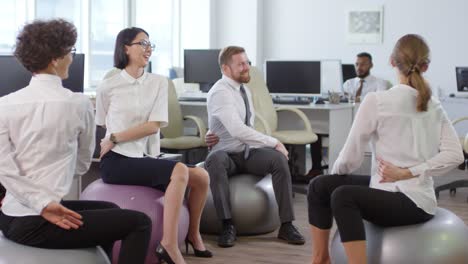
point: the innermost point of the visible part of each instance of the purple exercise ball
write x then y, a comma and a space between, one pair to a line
139, 198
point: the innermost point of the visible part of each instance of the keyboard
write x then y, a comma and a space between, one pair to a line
192, 99
291, 100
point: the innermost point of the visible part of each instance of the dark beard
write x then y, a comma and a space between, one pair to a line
364, 75
242, 79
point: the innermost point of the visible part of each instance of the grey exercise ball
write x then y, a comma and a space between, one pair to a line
441, 240
253, 206
11, 252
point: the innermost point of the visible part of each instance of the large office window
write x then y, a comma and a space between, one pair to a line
108, 17
66, 9
13, 14
156, 17
99, 21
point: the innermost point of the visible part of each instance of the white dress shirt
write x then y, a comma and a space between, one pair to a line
424, 142
46, 137
123, 102
226, 118
371, 84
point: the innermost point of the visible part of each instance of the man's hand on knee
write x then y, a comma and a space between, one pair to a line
281, 148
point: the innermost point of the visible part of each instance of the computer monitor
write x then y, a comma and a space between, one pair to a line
348, 71
75, 80
13, 76
296, 78
201, 66
462, 79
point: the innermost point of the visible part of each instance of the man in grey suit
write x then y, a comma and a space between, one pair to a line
238, 148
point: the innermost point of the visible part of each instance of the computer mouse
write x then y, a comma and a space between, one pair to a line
452, 95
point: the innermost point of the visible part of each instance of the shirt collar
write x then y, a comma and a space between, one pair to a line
367, 78
132, 80
43, 77
231, 82
406, 88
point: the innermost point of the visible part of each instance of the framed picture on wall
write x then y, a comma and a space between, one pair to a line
364, 25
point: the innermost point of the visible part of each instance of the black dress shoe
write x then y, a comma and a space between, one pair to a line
162, 255
290, 233
227, 237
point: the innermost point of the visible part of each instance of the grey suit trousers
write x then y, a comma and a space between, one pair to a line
221, 165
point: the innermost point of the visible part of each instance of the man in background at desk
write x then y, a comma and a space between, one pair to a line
239, 148
357, 88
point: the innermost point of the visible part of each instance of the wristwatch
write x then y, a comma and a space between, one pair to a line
113, 139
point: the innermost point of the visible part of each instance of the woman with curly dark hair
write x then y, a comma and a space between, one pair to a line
47, 138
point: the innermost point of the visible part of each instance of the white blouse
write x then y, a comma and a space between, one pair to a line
123, 102
46, 138
424, 142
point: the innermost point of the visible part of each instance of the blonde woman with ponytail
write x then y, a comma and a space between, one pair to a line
411, 139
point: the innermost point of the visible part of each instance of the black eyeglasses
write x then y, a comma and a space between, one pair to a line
144, 44
73, 52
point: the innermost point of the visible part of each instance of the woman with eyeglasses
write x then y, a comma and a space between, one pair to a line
47, 138
133, 105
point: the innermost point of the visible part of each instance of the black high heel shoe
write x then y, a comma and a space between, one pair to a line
198, 253
162, 255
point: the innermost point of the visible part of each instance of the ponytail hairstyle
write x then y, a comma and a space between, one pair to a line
411, 56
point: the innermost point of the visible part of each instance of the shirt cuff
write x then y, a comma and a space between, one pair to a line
419, 169
40, 204
272, 142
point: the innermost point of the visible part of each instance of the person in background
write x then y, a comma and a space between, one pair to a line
412, 140
357, 88
238, 148
47, 138
133, 105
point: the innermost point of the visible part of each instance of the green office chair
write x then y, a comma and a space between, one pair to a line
266, 118
193, 148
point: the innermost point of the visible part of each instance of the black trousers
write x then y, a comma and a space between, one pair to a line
104, 223
316, 153
349, 199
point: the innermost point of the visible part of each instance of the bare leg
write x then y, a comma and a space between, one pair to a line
356, 252
173, 199
199, 182
320, 238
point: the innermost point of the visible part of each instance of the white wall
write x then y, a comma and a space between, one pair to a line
239, 22
315, 29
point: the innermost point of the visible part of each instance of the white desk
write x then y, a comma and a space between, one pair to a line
330, 119
334, 120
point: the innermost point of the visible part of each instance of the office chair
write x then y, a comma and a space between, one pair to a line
266, 119
452, 186
174, 140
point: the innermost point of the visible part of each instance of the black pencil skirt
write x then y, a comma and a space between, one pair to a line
146, 171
